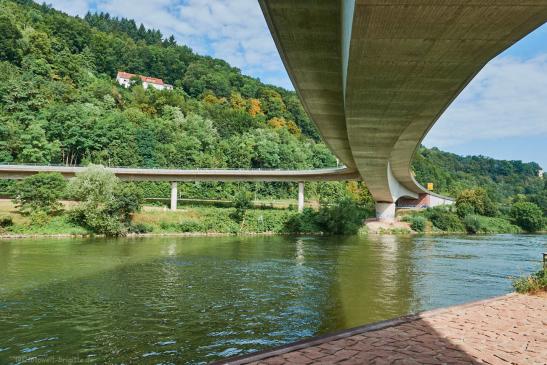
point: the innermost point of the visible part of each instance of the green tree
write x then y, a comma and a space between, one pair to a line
9, 41
40, 193
475, 201
106, 204
242, 202
345, 217
528, 216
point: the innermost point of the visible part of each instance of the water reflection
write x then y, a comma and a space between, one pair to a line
198, 299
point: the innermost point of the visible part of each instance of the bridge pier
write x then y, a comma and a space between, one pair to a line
300, 196
174, 195
385, 211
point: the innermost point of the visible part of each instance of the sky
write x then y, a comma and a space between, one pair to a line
502, 113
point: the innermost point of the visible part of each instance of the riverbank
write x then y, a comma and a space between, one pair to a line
505, 330
219, 221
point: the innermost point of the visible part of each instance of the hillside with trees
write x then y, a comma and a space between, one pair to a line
60, 104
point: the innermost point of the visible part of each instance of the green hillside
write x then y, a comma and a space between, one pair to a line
59, 103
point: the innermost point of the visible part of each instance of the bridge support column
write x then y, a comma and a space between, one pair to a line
300, 196
174, 195
385, 211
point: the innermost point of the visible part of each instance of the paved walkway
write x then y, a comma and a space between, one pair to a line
511, 329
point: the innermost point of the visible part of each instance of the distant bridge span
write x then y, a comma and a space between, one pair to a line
173, 176
375, 75
140, 174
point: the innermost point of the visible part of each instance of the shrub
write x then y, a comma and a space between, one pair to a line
531, 284
475, 201
342, 218
6, 221
97, 220
304, 222
417, 223
190, 226
107, 204
497, 225
140, 228
39, 218
40, 192
242, 202
472, 223
126, 200
445, 220
465, 209
527, 216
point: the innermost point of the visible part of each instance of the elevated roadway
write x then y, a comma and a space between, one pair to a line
140, 174
375, 75
173, 176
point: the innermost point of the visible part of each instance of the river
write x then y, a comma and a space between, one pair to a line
195, 300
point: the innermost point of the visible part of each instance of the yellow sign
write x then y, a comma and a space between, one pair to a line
429, 186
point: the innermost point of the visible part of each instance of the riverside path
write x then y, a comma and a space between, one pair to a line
511, 329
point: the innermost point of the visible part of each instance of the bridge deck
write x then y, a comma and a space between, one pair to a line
139, 174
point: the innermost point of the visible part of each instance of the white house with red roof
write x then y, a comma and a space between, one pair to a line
124, 79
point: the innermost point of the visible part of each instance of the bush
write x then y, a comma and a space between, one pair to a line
39, 218
445, 220
242, 202
190, 226
531, 284
6, 221
342, 218
472, 223
465, 209
266, 220
107, 204
305, 222
97, 220
527, 216
127, 199
417, 223
40, 192
475, 201
140, 228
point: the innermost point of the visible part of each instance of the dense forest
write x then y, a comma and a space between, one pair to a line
60, 104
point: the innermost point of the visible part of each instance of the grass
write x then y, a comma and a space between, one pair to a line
212, 220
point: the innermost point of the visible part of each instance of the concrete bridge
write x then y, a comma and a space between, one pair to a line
375, 76
174, 175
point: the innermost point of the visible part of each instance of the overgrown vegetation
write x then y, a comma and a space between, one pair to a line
475, 213
531, 284
345, 217
505, 182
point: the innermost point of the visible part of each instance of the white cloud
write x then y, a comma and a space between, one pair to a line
508, 98
71, 7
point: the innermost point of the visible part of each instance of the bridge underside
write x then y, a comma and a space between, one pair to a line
375, 76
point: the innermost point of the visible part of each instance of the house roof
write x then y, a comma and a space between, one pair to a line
150, 80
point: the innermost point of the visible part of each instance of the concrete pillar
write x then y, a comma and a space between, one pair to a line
385, 211
300, 196
174, 195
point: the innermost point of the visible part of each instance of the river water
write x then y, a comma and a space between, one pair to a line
195, 300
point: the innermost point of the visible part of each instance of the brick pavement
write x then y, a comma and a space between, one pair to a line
511, 329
